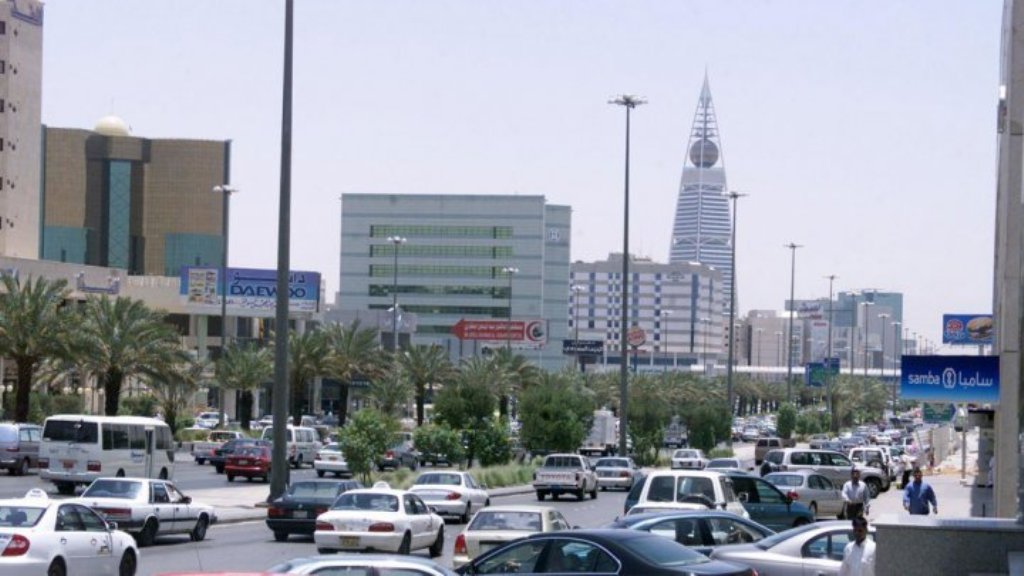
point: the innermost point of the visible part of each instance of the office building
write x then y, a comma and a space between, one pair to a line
464, 258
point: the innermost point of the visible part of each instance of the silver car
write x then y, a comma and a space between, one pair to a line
615, 472
810, 549
362, 564
452, 493
811, 488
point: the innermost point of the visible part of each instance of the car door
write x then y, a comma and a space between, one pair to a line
419, 521
78, 546
475, 494
160, 500
822, 555
185, 515
686, 531
826, 495
522, 557
774, 505
100, 539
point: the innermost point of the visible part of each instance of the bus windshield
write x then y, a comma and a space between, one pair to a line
71, 431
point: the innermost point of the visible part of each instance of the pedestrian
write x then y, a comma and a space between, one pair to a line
919, 495
908, 465
859, 555
856, 496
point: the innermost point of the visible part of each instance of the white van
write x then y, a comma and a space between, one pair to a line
302, 444
688, 489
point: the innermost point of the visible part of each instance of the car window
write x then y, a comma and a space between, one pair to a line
558, 522
23, 435
366, 501
788, 480
686, 531
730, 531
160, 494
90, 520
470, 481
15, 516
575, 557
662, 489
775, 457
516, 559
694, 486
828, 546
498, 520
728, 488
446, 479
358, 571
174, 493
113, 488
34, 434
839, 460
767, 493
746, 486
68, 519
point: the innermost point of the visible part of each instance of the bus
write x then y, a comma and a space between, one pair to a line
77, 449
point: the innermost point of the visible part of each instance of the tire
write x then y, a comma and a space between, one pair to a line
297, 463
219, 468
464, 518
814, 509
800, 522
57, 568
405, 547
65, 488
163, 474
129, 564
487, 502
148, 534
320, 473
603, 488
541, 495
231, 477
200, 461
22, 468
437, 548
874, 487
120, 473
198, 534
580, 494
280, 536
593, 493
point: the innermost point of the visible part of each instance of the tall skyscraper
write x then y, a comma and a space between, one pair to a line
702, 229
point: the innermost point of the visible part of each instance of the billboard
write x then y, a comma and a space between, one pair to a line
531, 332
251, 291
950, 378
967, 328
583, 347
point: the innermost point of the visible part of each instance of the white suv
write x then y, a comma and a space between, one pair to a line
686, 489
302, 444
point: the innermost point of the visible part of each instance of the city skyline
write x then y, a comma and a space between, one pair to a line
865, 135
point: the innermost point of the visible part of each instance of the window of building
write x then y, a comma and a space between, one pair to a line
3, 66
383, 231
3, 27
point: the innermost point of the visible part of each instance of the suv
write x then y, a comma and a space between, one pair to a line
875, 457
835, 466
688, 489
763, 446
19, 447
302, 444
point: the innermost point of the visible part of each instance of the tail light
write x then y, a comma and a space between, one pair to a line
460, 545
453, 496
17, 546
381, 527
93, 466
578, 475
325, 526
389, 455
44, 463
275, 512
624, 474
793, 495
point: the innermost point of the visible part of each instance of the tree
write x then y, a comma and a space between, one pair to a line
425, 366
786, 421
32, 328
175, 389
467, 403
353, 353
121, 338
708, 423
648, 414
368, 436
433, 441
511, 372
307, 359
555, 415
390, 392
245, 367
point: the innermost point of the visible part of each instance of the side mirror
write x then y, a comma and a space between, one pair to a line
433, 509
186, 500
111, 525
744, 497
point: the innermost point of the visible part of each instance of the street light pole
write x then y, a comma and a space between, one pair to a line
896, 380
828, 362
759, 332
627, 101
225, 191
792, 305
735, 196
509, 271
576, 289
778, 359
867, 333
667, 314
396, 242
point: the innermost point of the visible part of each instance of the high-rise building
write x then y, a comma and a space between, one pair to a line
21, 88
471, 258
145, 205
702, 229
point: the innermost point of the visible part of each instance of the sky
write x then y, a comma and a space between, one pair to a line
862, 130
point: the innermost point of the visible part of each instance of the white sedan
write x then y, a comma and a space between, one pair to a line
497, 525
330, 459
689, 459
53, 537
451, 493
379, 519
147, 508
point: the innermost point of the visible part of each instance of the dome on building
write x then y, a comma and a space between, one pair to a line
112, 126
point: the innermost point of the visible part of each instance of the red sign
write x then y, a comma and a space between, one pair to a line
531, 331
636, 336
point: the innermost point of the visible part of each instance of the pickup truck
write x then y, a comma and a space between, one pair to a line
202, 451
565, 474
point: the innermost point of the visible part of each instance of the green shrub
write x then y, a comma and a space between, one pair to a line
368, 435
491, 444
139, 405
785, 422
432, 440
191, 435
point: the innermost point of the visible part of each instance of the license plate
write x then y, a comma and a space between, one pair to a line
332, 458
243, 462
300, 514
350, 541
68, 463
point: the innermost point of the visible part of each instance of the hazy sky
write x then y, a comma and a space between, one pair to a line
864, 130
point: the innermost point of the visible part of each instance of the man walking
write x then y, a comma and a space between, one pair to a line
919, 495
855, 496
859, 555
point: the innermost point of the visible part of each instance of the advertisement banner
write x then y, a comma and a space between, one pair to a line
251, 292
530, 332
583, 347
967, 329
950, 379
819, 339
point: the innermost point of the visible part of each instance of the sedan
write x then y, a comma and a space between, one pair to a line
700, 530
354, 565
729, 464
249, 462
616, 472
497, 525
379, 519
455, 494
767, 504
811, 549
330, 459
220, 455
817, 491
621, 552
148, 508
688, 458
295, 512
42, 536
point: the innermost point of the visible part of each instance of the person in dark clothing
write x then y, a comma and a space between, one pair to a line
919, 495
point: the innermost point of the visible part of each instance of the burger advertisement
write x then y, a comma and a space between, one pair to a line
967, 329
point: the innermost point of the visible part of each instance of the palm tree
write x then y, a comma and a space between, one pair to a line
175, 389
425, 366
513, 373
122, 338
245, 366
32, 328
390, 392
307, 359
353, 353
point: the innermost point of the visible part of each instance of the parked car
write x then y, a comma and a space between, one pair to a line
303, 443
688, 458
817, 440
220, 455
452, 493
148, 508
356, 564
833, 465
616, 472
693, 489
44, 536
204, 450
750, 433
379, 519
19, 447
874, 456
622, 552
634, 494
768, 505
763, 446
565, 474
700, 530
330, 459
821, 496
398, 455
208, 420
249, 462
497, 525
811, 549
295, 511
729, 464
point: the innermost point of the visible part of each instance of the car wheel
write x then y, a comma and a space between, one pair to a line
219, 468
65, 488
231, 477
128, 564
163, 474
487, 502
540, 495
814, 509
148, 534
874, 487
593, 493
57, 568
464, 518
437, 548
23, 467
406, 545
320, 473
280, 536
603, 488
579, 494
297, 463
200, 461
198, 533
120, 473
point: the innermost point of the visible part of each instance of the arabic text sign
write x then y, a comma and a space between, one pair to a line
249, 289
950, 378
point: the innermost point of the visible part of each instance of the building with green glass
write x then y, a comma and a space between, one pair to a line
144, 205
464, 257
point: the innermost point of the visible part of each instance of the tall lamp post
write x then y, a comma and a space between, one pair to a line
828, 361
792, 305
225, 191
576, 289
509, 271
396, 242
667, 315
627, 101
897, 356
778, 335
867, 333
759, 332
734, 196
883, 317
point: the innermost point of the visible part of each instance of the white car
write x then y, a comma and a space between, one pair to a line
379, 519
688, 459
39, 536
451, 493
385, 564
330, 459
497, 525
208, 420
148, 508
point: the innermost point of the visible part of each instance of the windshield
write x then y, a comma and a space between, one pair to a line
8, 434
332, 447
367, 501
685, 454
502, 521
443, 479
71, 431
612, 463
314, 490
110, 488
20, 516
723, 463
664, 551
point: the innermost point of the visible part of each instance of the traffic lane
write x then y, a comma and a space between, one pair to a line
250, 546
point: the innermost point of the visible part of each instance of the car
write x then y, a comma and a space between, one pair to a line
357, 564
700, 530
301, 443
765, 445
688, 458
688, 489
497, 525
452, 493
874, 456
750, 433
616, 472
812, 488
295, 511
768, 505
835, 466
220, 455
816, 440
634, 493
208, 420
599, 551
400, 454
249, 462
728, 464
19, 447
379, 519
330, 459
148, 508
810, 549
43, 536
